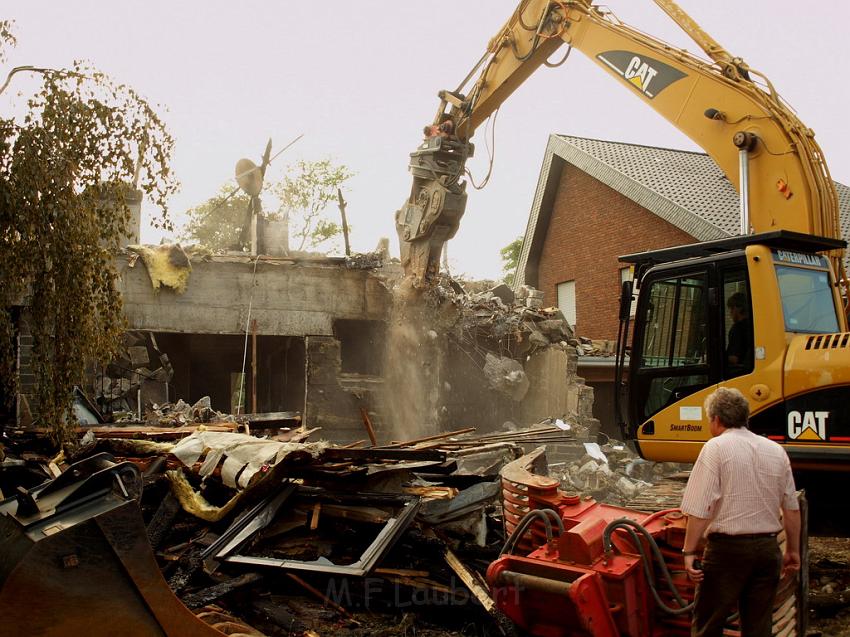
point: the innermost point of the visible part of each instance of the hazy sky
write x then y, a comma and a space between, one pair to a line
359, 79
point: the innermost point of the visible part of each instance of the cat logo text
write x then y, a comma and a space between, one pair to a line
648, 76
807, 425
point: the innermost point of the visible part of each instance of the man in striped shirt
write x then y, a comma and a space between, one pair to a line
737, 489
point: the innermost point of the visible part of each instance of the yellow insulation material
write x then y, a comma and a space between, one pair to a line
193, 502
166, 264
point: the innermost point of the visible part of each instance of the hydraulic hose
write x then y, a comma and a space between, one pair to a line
632, 527
527, 520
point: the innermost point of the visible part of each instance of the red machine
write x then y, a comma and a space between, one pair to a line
572, 566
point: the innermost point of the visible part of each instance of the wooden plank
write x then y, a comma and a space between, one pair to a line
379, 454
433, 492
297, 435
401, 572
314, 521
415, 441
420, 582
367, 422
471, 582
155, 432
273, 416
372, 515
318, 594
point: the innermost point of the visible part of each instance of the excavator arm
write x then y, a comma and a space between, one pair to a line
728, 109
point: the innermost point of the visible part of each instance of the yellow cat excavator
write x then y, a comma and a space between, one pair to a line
761, 311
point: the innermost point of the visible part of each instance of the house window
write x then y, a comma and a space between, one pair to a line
567, 301
626, 274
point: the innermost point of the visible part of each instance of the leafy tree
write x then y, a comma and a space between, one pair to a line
510, 259
305, 192
65, 166
217, 223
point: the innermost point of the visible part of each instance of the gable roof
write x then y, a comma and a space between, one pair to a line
685, 188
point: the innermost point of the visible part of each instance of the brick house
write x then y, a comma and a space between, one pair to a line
596, 200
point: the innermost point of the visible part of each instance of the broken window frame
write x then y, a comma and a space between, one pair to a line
243, 529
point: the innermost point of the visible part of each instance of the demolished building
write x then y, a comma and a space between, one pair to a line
309, 335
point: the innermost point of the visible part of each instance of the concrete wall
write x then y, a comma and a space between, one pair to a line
469, 399
289, 299
286, 298
556, 390
328, 404
590, 227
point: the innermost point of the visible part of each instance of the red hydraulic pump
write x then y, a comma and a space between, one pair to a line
572, 566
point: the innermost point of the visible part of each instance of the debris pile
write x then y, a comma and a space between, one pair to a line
366, 260
829, 588
525, 354
501, 321
288, 536
594, 347
612, 473
182, 413
139, 374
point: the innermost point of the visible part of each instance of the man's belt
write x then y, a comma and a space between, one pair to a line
741, 536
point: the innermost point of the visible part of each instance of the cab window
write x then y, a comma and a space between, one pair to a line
674, 352
675, 324
738, 345
807, 302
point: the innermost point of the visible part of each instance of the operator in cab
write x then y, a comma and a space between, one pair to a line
739, 346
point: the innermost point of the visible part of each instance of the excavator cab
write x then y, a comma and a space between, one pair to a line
728, 313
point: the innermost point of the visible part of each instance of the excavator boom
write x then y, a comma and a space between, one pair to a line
733, 112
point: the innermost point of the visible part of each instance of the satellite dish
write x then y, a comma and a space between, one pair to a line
249, 177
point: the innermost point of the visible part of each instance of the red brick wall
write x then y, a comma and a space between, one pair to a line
592, 225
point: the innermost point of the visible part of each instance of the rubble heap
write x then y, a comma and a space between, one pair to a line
255, 524
612, 473
507, 358
181, 413
516, 324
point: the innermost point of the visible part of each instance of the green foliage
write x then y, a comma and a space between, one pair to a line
510, 259
65, 167
305, 192
303, 197
217, 223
